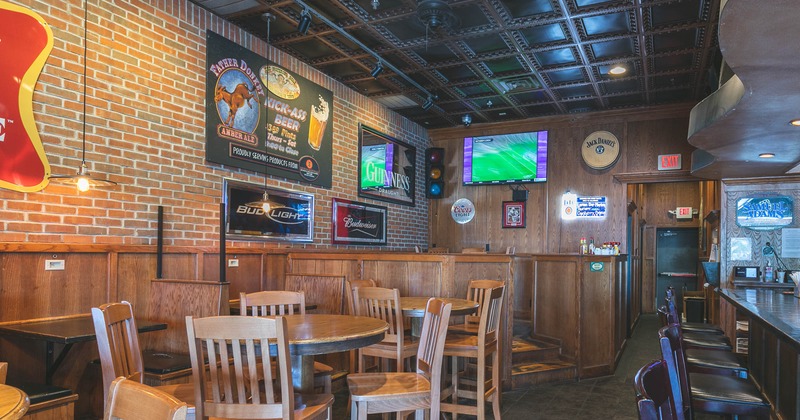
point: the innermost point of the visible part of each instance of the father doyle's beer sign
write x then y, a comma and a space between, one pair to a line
265, 118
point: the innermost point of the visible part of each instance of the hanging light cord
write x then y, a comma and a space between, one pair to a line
85, 41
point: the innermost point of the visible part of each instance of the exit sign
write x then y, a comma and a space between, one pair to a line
683, 213
669, 162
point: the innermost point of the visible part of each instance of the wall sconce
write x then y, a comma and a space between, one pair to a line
304, 23
377, 70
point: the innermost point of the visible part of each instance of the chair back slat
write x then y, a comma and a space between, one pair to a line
490, 316
658, 397
478, 291
117, 343
383, 304
351, 285
272, 303
673, 354
234, 390
432, 338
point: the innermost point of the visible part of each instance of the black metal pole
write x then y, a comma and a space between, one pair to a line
160, 243
222, 242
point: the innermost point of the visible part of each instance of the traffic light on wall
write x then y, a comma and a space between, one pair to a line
434, 172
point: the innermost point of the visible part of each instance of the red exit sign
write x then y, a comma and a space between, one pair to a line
669, 162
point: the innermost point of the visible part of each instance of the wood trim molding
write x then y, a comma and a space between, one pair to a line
654, 177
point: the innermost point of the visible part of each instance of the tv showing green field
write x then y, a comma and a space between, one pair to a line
505, 158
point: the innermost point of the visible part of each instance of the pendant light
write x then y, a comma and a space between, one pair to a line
83, 180
265, 203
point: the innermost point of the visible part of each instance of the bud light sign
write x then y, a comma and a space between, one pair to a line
288, 215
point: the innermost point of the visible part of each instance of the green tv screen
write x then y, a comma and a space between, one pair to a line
505, 158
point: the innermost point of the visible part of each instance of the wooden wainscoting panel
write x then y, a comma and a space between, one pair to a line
326, 292
523, 284
246, 277
556, 302
134, 272
180, 266
38, 293
411, 278
172, 300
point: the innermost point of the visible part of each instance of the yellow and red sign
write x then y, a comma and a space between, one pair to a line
26, 37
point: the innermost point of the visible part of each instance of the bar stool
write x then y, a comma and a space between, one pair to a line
481, 346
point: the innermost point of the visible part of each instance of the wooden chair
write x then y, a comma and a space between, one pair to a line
351, 285
278, 302
700, 327
477, 291
403, 391
234, 391
120, 355
384, 304
657, 395
438, 250
3, 372
486, 344
709, 393
130, 400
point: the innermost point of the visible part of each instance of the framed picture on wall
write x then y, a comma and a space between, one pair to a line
386, 167
357, 223
290, 216
513, 214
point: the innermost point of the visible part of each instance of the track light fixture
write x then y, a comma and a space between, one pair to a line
305, 22
377, 70
467, 120
397, 72
428, 103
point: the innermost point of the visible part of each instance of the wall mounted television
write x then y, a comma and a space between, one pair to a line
505, 158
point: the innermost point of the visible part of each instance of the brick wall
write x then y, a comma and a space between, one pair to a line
145, 130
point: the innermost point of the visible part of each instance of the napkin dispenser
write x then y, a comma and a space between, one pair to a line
746, 273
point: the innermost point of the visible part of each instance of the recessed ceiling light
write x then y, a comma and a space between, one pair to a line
795, 122
767, 155
617, 69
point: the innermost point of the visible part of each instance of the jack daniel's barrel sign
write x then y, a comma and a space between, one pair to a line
600, 150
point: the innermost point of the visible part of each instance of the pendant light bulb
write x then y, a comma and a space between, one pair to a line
82, 184
265, 206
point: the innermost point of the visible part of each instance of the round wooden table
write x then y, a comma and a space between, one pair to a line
312, 334
13, 402
414, 308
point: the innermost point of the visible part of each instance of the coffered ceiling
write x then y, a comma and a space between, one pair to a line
499, 60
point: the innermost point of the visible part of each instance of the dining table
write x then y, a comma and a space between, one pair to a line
414, 308
13, 402
313, 334
65, 330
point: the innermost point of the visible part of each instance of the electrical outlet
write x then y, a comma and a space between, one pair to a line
233, 262
53, 265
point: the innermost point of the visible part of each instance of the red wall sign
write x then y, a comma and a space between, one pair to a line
669, 162
28, 39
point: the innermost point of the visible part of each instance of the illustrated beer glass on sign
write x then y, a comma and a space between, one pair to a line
316, 126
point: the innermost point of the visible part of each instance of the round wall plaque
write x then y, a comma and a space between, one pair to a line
462, 211
600, 150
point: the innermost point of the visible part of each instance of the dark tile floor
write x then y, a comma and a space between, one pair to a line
610, 397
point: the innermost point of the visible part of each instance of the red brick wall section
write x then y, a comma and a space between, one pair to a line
145, 129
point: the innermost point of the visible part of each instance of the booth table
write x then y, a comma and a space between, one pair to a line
13, 402
414, 308
63, 330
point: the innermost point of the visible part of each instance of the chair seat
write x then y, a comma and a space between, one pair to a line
726, 389
389, 349
463, 329
715, 360
701, 327
385, 386
464, 345
712, 341
311, 406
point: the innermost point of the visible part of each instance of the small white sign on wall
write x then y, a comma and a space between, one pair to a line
790, 243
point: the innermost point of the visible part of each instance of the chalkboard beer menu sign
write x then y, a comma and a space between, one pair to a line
263, 117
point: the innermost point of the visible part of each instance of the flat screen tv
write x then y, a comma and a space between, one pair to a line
377, 163
505, 158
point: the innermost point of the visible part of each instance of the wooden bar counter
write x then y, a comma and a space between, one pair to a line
774, 343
